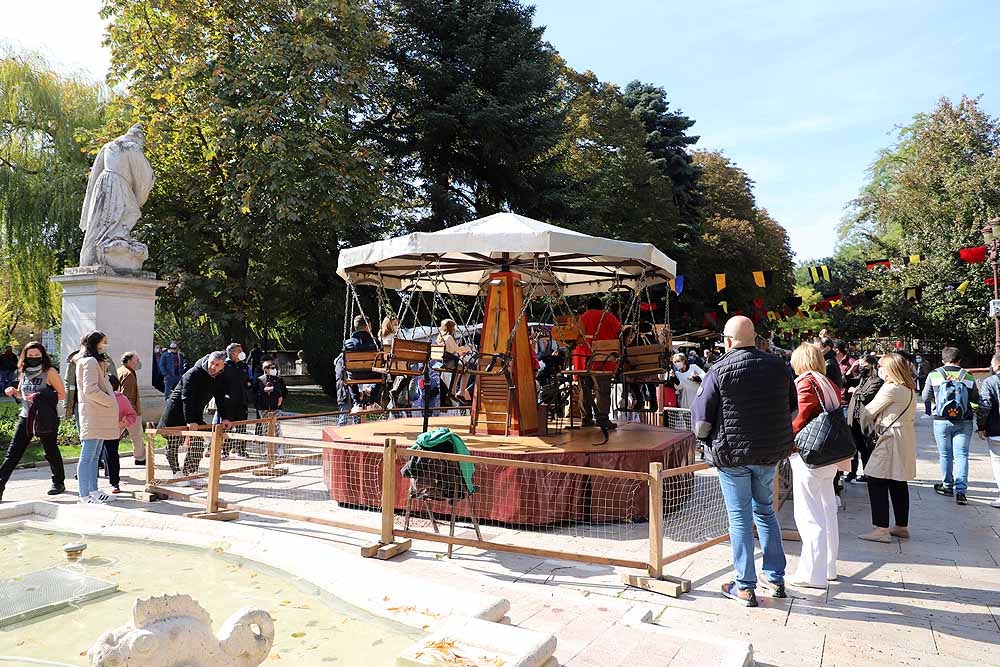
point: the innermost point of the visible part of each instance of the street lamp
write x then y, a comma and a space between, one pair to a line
990, 232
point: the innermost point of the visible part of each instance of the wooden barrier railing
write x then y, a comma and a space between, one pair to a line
660, 486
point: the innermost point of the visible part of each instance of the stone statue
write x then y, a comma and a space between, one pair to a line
119, 184
175, 630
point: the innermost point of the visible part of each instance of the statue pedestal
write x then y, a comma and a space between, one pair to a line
123, 308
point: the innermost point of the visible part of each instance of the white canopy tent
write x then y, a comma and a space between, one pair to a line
464, 255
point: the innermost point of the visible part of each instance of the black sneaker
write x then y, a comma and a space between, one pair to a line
746, 596
850, 477
961, 499
777, 590
56, 489
943, 489
588, 423
860, 479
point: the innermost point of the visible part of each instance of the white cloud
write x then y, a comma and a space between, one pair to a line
68, 33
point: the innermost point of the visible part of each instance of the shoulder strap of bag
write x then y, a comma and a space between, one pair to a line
879, 434
815, 385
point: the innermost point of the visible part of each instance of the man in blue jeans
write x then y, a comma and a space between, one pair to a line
954, 411
743, 413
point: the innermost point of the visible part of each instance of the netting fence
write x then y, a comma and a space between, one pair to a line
296, 468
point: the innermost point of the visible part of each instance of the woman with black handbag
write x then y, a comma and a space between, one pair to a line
893, 459
815, 503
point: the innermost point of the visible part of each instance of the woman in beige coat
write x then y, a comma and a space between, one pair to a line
98, 409
893, 460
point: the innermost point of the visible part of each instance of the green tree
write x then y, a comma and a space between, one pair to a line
605, 183
930, 193
738, 238
469, 106
251, 113
668, 146
43, 176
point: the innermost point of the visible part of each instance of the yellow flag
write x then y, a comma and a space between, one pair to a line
961, 288
673, 285
725, 306
720, 282
758, 279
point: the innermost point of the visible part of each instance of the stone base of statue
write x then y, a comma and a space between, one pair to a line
121, 304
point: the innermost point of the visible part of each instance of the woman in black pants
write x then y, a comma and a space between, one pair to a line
861, 396
893, 460
39, 390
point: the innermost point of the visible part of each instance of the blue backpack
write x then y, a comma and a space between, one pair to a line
951, 397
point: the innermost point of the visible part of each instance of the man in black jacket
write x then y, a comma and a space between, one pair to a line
186, 407
233, 398
743, 413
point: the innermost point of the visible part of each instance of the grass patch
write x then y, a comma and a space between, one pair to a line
309, 401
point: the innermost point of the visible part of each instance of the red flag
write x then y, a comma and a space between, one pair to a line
989, 281
975, 255
758, 303
875, 263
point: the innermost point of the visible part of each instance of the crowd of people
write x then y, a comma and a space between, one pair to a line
104, 402
755, 407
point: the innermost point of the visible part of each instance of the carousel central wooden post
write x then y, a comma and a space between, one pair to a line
504, 304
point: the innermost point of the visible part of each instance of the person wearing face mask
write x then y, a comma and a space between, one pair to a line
129, 386
688, 378
235, 390
270, 391
860, 396
39, 390
98, 413
893, 458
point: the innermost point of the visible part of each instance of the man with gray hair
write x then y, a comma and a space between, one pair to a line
128, 383
186, 407
743, 414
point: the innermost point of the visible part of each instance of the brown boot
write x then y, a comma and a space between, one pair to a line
901, 532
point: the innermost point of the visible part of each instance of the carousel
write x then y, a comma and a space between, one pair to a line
514, 279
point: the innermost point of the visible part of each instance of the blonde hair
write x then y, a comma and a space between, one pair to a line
807, 357
897, 370
679, 356
447, 327
387, 329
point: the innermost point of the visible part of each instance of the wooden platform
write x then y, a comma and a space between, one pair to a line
628, 437
520, 496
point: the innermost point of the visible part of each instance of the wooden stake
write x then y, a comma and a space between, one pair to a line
655, 520
388, 489
214, 477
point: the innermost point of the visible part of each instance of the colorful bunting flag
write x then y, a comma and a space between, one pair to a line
819, 272
873, 264
725, 306
976, 255
914, 293
763, 278
961, 288
720, 282
914, 259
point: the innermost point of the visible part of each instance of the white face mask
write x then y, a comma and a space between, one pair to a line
138, 365
881, 373
241, 356
102, 347
273, 372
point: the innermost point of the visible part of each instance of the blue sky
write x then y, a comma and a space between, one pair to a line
802, 94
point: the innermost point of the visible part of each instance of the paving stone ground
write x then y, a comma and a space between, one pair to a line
931, 600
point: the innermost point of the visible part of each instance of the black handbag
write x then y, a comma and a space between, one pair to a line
826, 439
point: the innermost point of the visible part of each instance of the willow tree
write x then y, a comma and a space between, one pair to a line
43, 175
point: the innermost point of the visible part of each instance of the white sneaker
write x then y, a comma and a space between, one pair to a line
89, 500
198, 483
355, 409
101, 497
995, 503
840, 503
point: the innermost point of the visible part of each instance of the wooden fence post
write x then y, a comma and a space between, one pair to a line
214, 477
656, 520
657, 582
387, 547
